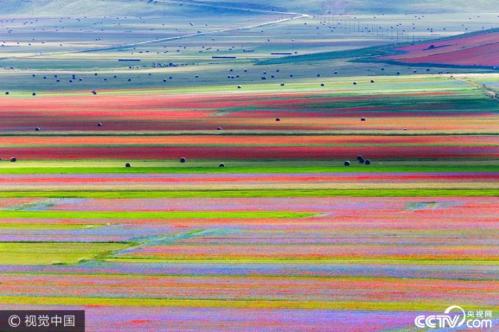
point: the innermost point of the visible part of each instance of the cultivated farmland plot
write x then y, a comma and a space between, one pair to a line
234, 166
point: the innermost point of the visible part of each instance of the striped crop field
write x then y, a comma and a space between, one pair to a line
233, 210
249, 166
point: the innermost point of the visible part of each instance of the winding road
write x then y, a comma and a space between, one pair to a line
290, 17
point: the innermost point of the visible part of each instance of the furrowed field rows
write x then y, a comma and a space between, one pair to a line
207, 249
419, 104
175, 165
167, 206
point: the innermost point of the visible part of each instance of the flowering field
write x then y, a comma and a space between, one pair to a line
260, 226
475, 49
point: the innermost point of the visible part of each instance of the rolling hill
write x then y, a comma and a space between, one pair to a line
475, 50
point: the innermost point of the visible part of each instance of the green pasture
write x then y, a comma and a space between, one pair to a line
45, 226
238, 166
338, 86
54, 253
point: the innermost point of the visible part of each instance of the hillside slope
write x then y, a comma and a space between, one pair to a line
476, 49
